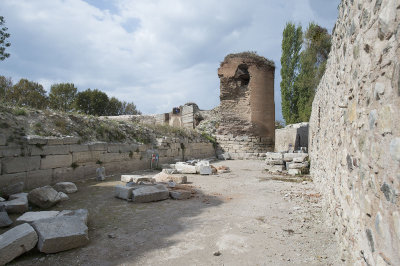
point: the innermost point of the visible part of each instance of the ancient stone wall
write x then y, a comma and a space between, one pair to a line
355, 132
292, 137
42, 161
247, 103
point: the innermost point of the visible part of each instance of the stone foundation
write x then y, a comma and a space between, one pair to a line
243, 147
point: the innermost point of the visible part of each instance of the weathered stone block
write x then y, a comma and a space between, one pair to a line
4, 219
136, 178
288, 157
274, 161
294, 171
66, 187
49, 150
180, 194
98, 146
17, 241
30, 217
33, 139
275, 168
123, 192
205, 170
86, 156
20, 164
185, 168
273, 156
61, 233
164, 177
71, 140
298, 165
82, 214
150, 193
78, 148
56, 161
17, 203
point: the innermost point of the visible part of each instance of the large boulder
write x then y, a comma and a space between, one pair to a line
61, 233
17, 241
150, 193
66, 187
164, 177
12, 189
17, 203
45, 197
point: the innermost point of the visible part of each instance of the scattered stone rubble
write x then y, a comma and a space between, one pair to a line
164, 185
294, 163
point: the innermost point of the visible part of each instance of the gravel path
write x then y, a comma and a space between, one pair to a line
237, 218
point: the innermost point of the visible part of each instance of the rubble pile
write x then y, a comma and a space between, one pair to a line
294, 163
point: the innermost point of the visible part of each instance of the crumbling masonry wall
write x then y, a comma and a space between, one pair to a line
247, 105
40, 161
355, 132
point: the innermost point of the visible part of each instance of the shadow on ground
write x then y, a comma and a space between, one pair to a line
120, 231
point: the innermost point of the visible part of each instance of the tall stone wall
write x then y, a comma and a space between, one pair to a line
355, 132
247, 103
42, 161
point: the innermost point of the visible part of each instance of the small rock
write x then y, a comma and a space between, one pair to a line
111, 235
17, 241
66, 187
217, 253
62, 196
171, 184
2, 199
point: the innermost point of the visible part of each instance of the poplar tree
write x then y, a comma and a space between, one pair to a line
291, 45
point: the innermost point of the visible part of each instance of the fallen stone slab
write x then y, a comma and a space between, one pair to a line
185, 168
61, 233
180, 194
17, 203
300, 159
12, 189
66, 187
274, 161
123, 192
82, 214
4, 219
30, 217
44, 197
164, 177
294, 172
150, 193
205, 170
17, 241
136, 178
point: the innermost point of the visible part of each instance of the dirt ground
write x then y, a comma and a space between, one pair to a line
238, 218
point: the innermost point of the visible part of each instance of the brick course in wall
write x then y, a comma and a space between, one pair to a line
355, 132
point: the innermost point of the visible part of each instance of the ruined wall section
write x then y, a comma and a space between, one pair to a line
41, 161
355, 132
292, 137
247, 108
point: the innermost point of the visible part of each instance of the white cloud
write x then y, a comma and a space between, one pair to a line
156, 53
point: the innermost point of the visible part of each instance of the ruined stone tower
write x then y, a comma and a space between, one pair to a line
247, 105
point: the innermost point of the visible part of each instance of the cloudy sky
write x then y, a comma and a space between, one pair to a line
156, 53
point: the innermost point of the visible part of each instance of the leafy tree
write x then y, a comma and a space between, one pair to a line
5, 86
3, 40
62, 96
28, 93
114, 107
291, 45
312, 67
92, 102
129, 109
